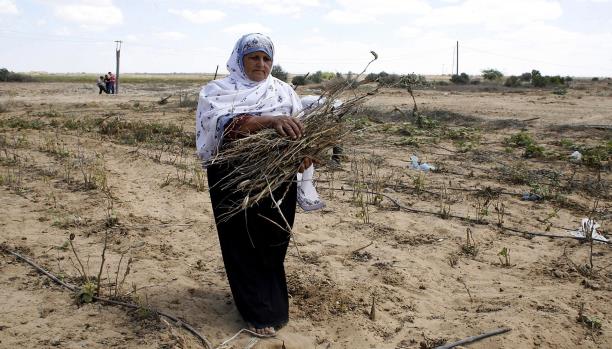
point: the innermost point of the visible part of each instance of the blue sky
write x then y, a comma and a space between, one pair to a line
568, 37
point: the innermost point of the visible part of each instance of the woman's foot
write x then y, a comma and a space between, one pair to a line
263, 332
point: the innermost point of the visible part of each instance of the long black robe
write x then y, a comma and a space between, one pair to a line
254, 249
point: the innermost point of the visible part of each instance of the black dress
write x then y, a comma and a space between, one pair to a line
254, 249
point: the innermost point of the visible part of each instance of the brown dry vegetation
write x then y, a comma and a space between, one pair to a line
72, 161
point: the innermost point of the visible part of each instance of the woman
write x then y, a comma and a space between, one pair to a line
253, 243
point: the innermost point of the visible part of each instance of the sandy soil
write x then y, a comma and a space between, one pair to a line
428, 286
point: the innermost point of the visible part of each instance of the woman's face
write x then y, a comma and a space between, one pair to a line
257, 65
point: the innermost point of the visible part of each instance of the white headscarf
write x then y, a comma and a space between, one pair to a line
221, 100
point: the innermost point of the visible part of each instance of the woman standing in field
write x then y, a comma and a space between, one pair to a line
253, 244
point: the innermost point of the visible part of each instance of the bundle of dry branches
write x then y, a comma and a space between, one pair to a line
263, 161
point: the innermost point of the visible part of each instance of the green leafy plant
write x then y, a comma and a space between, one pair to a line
504, 257
521, 139
593, 323
534, 151
86, 292
492, 74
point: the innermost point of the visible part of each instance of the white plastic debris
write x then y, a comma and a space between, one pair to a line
414, 163
312, 101
576, 156
586, 226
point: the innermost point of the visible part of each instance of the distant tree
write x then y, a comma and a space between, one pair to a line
299, 80
461, 79
7, 75
327, 75
371, 77
316, 78
492, 74
279, 73
525, 77
4, 73
388, 79
412, 80
512, 81
537, 80
556, 80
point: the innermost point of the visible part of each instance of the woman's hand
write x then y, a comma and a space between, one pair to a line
287, 126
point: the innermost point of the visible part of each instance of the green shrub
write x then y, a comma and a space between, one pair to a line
371, 77
315, 78
512, 81
20, 123
327, 75
412, 80
556, 80
492, 74
9, 76
521, 139
595, 79
388, 79
279, 73
525, 77
595, 156
298, 80
461, 79
534, 151
567, 143
560, 91
537, 80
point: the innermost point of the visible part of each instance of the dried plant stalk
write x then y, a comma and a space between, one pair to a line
263, 161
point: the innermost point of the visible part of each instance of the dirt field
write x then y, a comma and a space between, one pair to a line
122, 168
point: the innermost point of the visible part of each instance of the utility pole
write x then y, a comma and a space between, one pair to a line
452, 67
457, 57
117, 54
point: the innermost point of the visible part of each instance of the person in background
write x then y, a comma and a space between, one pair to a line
101, 84
112, 80
107, 83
